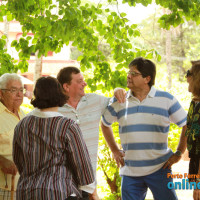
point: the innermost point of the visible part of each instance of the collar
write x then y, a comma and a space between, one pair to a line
151, 93
4, 108
84, 98
38, 113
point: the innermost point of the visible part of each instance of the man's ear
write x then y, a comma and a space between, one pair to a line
148, 79
66, 87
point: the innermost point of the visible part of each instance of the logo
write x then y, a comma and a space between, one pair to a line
184, 183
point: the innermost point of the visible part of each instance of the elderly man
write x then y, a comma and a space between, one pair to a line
144, 120
85, 109
11, 97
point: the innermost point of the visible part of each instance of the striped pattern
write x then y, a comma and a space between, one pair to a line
87, 115
143, 128
51, 157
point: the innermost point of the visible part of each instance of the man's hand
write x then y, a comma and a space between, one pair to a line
7, 166
119, 157
120, 94
94, 195
172, 160
12, 169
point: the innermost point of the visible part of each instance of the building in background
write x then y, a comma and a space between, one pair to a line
51, 64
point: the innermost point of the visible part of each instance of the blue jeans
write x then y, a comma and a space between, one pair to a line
135, 188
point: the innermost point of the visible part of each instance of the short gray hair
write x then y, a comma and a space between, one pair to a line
5, 78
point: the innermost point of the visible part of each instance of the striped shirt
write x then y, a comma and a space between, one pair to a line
143, 128
87, 115
51, 157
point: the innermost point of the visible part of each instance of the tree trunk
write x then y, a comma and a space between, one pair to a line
6, 31
112, 183
168, 58
182, 54
38, 67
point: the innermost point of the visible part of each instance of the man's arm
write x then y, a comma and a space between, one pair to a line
180, 150
118, 154
183, 141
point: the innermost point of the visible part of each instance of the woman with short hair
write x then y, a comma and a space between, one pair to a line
193, 124
49, 150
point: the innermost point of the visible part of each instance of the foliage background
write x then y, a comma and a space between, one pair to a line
104, 42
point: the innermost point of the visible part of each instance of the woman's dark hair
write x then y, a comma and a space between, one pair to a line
146, 68
48, 93
195, 70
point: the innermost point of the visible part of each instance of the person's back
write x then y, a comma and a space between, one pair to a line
49, 150
44, 158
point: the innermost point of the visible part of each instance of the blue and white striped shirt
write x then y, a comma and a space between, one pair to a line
143, 128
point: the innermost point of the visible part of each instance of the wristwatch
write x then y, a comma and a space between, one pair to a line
198, 179
178, 153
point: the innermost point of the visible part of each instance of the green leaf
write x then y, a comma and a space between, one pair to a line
48, 13
13, 43
9, 17
60, 12
123, 14
34, 41
29, 38
107, 10
3, 37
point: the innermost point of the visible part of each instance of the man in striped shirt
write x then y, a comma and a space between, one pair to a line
85, 109
144, 120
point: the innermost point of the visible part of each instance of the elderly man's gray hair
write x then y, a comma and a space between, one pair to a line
5, 78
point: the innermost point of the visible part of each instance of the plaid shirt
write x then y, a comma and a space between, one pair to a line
6, 194
51, 157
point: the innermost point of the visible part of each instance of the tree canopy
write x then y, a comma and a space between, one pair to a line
86, 25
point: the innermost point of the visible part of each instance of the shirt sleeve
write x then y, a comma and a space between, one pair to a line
104, 101
110, 114
78, 156
177, 114
89, 188
6, 144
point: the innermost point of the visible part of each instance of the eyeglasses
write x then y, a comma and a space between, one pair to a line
15, 90
188, 73
132, 73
